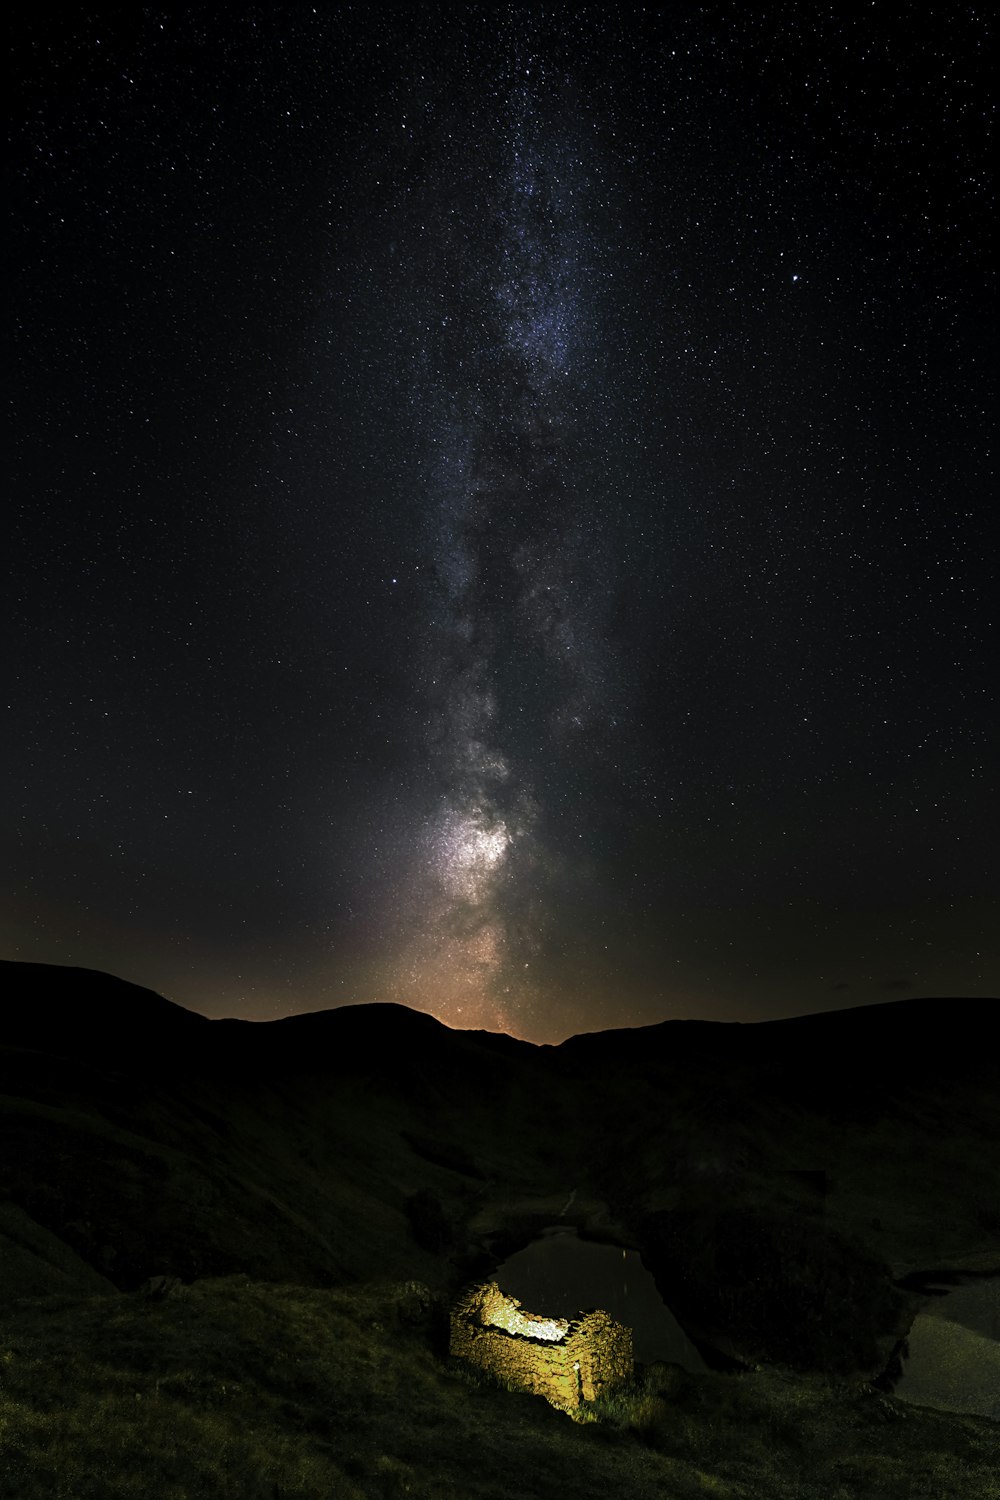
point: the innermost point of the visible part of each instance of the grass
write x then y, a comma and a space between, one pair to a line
301, 1181
241, 1389
318, 1371
779, 1434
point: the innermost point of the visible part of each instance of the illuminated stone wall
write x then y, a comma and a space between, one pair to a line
565, 1360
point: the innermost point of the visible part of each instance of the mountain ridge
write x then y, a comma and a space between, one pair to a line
64, 989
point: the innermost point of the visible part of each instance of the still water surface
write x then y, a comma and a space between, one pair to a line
561, 1275
954, 1359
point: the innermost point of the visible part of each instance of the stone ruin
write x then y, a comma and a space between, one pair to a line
566, 1360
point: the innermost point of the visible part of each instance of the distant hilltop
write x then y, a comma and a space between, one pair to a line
89, 1013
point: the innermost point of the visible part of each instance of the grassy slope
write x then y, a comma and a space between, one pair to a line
244, 1390
333, 1158
289, 1162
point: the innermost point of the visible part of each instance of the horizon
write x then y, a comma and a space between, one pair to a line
499, 510
557, 1042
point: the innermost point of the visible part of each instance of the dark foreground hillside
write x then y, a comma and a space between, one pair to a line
306, 1195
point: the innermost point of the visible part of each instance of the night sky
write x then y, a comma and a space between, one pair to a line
502, 516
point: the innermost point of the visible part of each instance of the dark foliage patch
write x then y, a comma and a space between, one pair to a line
787, 1290
429, 1223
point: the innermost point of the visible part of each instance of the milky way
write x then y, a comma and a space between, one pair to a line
500, 508
518, 671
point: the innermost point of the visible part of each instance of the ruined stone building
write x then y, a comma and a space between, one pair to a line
567, 1361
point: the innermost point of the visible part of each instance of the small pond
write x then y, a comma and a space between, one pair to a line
561, 1275
954, 1358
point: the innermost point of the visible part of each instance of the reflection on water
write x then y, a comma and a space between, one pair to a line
561, 1275
954, 1358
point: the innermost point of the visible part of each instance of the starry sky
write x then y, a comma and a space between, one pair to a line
501, 508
